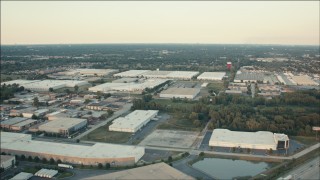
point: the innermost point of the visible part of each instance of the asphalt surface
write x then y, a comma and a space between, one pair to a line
309, 170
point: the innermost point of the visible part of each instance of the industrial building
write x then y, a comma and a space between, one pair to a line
63, 126
253, 140
89, 72
131, 73
21, 82
128, 87
117, 155
185, 75
150, 172
7, 161
45, 85
23, 125
134, 121
7, 124
22, 176
211, 76
189, 93
249, 77
46, 173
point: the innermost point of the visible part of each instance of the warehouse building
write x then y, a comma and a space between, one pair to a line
134, 121
22, 176
63, 126
131, 73
23, 125
21, 82
89, 72
211, 76
7, 124
184, 75
7, 161
252, 140
118, 155
128, 87
249, 77
150, 172
189, 93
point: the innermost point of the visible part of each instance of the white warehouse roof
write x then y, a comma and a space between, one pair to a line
211, 76
62, 124
134, 121
22, 176
24, 143
253, 140
159, 74
189, 93
131, 73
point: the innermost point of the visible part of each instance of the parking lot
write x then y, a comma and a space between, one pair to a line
170, 138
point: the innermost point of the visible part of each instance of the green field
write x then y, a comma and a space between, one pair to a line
102, 134
305, 140
216, 86
6, 77
178, 121
65, 174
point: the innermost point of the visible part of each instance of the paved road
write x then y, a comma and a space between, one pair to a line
124, 110
309, 170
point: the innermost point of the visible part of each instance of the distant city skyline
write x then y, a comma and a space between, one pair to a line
205, 22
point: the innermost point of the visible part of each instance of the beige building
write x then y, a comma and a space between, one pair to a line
151, 172
117, 155
7, 161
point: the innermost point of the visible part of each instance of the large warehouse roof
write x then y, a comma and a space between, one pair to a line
62, 123
134, 121
180, 93
21, 82
211, 76
23, 142
154, 171
131, 73
254, 140
246, 76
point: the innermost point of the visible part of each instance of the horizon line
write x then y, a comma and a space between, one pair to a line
154, 43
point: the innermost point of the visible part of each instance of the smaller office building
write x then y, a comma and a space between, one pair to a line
212, 76
7, 161
63, 126
134, 121
189, 93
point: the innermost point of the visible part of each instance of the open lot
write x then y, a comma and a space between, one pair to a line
178, 121
102, 134
169, 138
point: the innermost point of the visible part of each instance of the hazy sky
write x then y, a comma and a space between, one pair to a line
160, 22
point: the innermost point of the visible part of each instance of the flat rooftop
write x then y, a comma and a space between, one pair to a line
23, 142
212, 75
133, 119
62, 123
155, 171
252, 76
131, 73
12, 121
181, 91
238, 137
23, 123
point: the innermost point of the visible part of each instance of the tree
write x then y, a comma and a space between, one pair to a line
87, 101
59, 161
108, 165
23, 157
270, 151
36, 159
67, 91
44, 160
110, 112
36, 102
201, 154
76, 88
170, 158
52, 161
100, 166
30, 158
78, 140
51, 89
34, 116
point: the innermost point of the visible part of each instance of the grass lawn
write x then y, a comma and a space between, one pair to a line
102, 134
178, 121
305, 140
32, 170
65, 174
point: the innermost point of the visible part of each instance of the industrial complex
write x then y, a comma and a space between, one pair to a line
134, 121
211, 76
117, 155
63, 126
189, 93
252, 140
89, 72
184, 75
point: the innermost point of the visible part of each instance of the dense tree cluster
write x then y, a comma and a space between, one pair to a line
7, 91
293, 113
